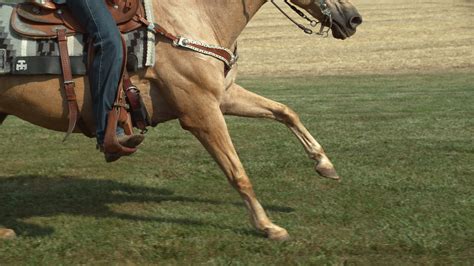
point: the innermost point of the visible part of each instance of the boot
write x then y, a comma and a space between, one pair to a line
112, 149
128, 141
131, 141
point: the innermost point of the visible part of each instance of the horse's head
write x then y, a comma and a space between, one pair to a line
340, 15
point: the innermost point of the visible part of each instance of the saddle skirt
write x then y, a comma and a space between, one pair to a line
39, 54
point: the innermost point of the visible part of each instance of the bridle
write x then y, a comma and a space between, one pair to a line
325, 10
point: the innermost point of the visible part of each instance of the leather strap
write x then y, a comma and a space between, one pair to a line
220, 53
138, 113
68, 82
124, 117
69, 86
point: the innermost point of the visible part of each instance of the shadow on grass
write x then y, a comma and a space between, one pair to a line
23, 197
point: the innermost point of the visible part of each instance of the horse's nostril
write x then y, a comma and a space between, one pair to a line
354, 22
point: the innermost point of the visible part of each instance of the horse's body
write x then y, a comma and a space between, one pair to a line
190, 87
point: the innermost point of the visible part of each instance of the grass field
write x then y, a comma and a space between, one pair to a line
393, 106
403, 145
404, 36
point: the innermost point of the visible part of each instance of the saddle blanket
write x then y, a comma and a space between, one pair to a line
23, 56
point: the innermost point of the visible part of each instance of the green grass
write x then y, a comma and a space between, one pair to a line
403, 145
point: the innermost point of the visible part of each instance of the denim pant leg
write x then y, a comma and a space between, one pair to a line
104, 75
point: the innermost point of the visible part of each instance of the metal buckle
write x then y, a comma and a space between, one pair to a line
124, 105
151, 27
325, 8
181, 42
233, 60
133, 87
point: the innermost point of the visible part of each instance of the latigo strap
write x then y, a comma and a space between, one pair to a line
68, 82
137, 108
69, 88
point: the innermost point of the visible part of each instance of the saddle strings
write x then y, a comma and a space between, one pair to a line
324, 9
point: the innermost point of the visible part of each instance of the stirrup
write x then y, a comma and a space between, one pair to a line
111, 143
131, 141
127, 141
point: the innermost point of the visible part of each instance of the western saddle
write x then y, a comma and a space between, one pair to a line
43, 19
40, 19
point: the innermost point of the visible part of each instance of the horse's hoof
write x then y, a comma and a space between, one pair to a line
7, 234
328, 172
277, 233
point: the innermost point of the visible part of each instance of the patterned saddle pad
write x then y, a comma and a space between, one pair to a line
22, 56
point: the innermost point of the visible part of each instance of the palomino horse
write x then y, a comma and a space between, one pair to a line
192, 88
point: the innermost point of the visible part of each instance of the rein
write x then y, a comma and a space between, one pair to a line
313, 23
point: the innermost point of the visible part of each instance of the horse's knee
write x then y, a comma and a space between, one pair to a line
242, 183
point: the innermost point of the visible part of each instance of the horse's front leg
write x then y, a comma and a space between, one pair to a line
206, 122
241, 102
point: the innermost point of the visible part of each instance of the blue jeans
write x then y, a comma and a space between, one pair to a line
105, 72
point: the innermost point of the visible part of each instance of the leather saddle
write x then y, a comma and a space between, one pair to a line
42, 19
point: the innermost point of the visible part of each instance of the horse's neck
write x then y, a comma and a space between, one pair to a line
229, 18
220, 21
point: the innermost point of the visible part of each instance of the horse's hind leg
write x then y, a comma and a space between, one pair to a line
2, 117
240, 102
208, 125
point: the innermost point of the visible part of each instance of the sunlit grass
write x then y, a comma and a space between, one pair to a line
403, 145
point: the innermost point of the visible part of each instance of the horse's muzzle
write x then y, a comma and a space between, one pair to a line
345, 20
354, 22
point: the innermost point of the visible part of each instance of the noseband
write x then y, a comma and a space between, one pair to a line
325, 10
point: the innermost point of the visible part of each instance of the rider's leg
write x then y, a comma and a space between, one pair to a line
105, 72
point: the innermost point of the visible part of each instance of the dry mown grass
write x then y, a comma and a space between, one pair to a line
403, 36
